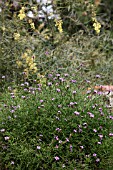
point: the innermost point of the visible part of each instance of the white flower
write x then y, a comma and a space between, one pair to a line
49, 9
0, 9
38, 1
41, 14
30, 14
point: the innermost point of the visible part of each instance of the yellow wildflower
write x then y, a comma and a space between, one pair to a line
59, 25
34, 8
26, 71
32, 25
21, 14
97, 26
30, 21
25, 55
35, 69
16, 36
19, 63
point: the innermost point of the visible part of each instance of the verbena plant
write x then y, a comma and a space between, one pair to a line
55, 125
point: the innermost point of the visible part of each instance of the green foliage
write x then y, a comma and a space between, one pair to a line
55, 125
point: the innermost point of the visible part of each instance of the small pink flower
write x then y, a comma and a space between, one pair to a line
95, 130
56, 146
75, 130
94, 154
38, 147
99, 143
2, 130
12, 163
76, 113
97, 160
81, 147
110, 134
6, 137
101, 136
57, 158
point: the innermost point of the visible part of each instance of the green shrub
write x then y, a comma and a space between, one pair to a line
55, 126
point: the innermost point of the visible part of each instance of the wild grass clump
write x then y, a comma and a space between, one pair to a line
55, 126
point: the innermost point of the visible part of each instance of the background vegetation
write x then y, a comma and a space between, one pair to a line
51, 52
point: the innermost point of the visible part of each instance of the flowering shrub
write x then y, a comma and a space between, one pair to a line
54, 126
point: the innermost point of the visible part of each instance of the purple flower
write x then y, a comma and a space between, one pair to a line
50, 75
110, 134
12, 163
94, 154
46, 52
67, 140
111, 117
56, 146
26, 83
39, 89
73, 81
97, 160
56, 137
91, 115
58, 129
61, 79
71, 104
74, 92
76, 113
81, 147
2, 130
23, 97
53, 99
22, 84
58, 90
71, 148
66, 75
56, 158
38, 147
59, 105
97, 76
49, 84
101, 136
6, 137
41, 101
75, 130
95, 130
3, 77
12, 111
58, 75
60, 141
99, 143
